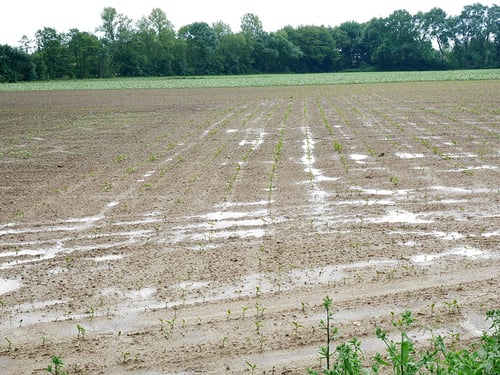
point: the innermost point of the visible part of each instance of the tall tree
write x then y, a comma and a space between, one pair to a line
202, 44
52, 54
85, 49
320, 53
15, 65
348, 37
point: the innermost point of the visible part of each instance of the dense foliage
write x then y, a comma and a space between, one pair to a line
151, 46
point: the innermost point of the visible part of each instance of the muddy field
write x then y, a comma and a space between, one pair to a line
197, 231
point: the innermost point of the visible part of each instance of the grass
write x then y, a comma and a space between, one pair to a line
262, 80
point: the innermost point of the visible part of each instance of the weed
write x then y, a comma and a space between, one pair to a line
401, 354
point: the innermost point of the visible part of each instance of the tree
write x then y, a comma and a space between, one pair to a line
202, 44
438, 27
401, 47
473, 39
85, 49
348, 38
52, 54
251, 26
15, 65
319, 51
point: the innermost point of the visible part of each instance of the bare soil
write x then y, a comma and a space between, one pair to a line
193, 231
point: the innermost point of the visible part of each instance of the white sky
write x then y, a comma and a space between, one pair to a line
18, 17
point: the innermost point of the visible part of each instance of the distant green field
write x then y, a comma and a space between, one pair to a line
253, 80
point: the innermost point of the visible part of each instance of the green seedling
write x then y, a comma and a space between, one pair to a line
394, 180
453, 306
252, 367
296, 327
224, 340
124, 356
337, 146
120, 158
243, 311
56, 367
9, 344
262, 341
81, 332
107, 185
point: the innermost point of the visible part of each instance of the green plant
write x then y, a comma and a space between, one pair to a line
107, 185
120, 158
81, 331
252, 366
9, 344
296, 326
56, 367
337, 146
394, 180
401, 355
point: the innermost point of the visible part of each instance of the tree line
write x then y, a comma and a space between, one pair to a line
152, 47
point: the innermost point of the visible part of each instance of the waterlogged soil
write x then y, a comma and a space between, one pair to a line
198, 231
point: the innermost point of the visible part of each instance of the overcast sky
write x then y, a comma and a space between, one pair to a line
19, 17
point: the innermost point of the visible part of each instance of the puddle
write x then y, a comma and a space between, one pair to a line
464, 190
241, 204
7, 286
106, 258
78, 224
369, 202
223, 225
407, 155
466, 252
447, 236
358, 158
380, 191
231, 130
112, 204
399, 217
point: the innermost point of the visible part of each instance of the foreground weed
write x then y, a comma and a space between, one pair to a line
56, 367
402, 358
401, 354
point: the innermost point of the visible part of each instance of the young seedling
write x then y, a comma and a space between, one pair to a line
224, 340
296, 326
9, 344
125, 356
394, 180
258, 326
81, 332
243, 311
252, 366
56, 367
